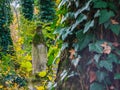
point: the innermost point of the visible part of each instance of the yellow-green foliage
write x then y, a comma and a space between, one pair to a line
24, 44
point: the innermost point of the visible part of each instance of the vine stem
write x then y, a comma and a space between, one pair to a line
101, 32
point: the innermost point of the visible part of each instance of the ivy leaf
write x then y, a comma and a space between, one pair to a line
79, 11
112, 6
64, 45
100, 4
68, 15
63, 74
83, 40
117, 76
97, 57
115, 28
66, 32
63, 2
79, 35
96, 86
63, 32
27, 65
58, 30
97, 14
101, 76
96, 47
80, 19
76, 61
88, 25
105, 16
112, 58
77, 3
106, 64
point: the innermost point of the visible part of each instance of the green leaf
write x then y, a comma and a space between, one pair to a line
96, 47
97, 14
58, 30
50, 60
63, 32
105, 16
88, 25
80, 35
68, 15
112, 58
27, 65
42, 73
63, 2
77, 3
66, 32
112, 6
101, 76
100, 4
97, 57
86, 7
115, 29
106, 64
85, 41
64, 45
117, 76
96, 86
80, 19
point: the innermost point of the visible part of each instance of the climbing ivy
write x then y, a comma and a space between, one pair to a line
27, 8
90, 31
47, 11
5, 20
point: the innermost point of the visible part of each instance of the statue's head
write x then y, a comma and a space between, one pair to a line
39, 29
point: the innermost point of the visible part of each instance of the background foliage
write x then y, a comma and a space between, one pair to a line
83, 44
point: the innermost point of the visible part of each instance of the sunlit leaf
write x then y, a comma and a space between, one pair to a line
88, 25
97, 57
63, 2
76, 61
1, 86
66, 32
42, 73
86, 7
64, 45
50, 60
80, 19
97, 14
68, 15
63, 74
40, 87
